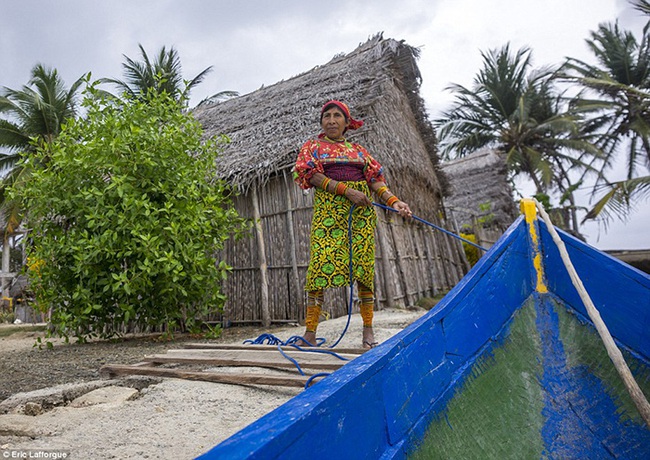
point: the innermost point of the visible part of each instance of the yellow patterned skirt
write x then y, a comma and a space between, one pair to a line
329, 257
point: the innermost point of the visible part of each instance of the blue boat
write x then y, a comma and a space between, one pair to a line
507, 365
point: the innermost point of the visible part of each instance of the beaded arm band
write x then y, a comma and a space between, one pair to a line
339, 189
325, 183
391, 201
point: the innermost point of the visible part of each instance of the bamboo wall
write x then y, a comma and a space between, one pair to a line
266, 284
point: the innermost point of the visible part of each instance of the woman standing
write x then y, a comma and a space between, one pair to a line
343, 174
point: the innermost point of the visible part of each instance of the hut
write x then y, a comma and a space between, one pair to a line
13, 284
380, 82
480, 195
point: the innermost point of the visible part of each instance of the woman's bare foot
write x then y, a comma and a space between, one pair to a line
369, 338
308, 339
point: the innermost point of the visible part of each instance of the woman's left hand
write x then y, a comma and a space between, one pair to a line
403, 209
357, 197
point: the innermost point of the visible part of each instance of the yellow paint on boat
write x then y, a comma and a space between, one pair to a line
529, 210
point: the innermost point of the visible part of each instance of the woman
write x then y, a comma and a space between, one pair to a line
343, 174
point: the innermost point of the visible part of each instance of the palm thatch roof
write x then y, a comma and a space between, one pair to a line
379, 80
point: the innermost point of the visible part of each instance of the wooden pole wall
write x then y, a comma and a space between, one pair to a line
266, 317
389, 291
292, 243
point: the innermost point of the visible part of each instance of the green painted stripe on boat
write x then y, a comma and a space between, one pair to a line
497, 412
485, 419
586, 349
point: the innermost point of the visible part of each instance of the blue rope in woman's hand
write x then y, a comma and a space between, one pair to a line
471, 243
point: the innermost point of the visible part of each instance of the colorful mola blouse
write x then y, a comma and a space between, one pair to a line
335, 223
318, 155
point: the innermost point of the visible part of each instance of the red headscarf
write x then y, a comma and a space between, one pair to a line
354, 124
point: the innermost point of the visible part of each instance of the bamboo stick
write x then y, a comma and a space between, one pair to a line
400, 280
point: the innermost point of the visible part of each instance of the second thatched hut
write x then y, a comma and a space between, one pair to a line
480, 199
380, 82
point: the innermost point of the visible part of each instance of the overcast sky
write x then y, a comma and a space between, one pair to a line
251, 43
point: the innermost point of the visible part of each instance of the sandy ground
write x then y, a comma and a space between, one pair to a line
152, 419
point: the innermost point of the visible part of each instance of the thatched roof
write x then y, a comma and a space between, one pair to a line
379, 81
477, 180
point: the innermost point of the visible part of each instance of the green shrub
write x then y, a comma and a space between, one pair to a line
126, 218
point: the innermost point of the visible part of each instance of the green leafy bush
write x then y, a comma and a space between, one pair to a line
126, 218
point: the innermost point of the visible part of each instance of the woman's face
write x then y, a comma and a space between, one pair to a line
334, 123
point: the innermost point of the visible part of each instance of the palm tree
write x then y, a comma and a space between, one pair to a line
616, 104
35, 112
518, 111
161, 74
32, 116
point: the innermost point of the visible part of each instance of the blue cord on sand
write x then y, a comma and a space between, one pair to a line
308, 382
270, 339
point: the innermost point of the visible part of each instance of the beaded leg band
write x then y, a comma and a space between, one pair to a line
367, 298
314, 303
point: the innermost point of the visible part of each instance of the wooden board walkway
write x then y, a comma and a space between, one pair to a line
237, 356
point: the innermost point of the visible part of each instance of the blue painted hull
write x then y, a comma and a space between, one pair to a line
381, 404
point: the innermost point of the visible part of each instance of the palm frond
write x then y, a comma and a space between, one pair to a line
619, 199
161, 74
35, 115
8, 162
617, 109
218, 97
642, 5
189, 85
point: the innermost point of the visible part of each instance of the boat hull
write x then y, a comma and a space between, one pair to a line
381, 404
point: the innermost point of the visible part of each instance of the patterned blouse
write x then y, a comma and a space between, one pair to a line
322, 156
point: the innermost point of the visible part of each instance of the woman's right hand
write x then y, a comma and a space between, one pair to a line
357, 198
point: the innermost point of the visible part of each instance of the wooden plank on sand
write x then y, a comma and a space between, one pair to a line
115, 370
224, 346
248, 358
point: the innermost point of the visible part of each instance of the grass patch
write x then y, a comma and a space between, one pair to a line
10, 329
